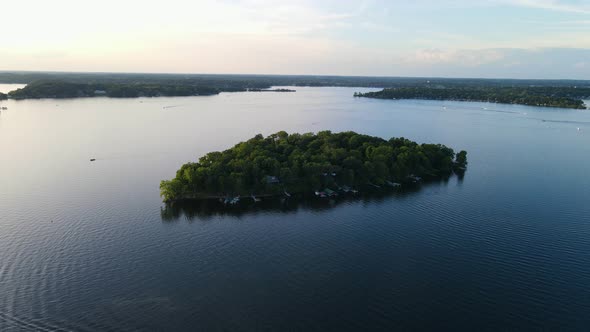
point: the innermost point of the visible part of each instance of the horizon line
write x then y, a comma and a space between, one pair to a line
292, 75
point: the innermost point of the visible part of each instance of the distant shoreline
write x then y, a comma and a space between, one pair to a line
559, 97
543, 93
63, 90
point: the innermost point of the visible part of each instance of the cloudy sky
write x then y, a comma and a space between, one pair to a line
451, 38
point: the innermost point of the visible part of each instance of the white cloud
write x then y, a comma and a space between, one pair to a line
470, 58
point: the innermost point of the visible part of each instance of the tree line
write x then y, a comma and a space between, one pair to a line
60, 89
563, 97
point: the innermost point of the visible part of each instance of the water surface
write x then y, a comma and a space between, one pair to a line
84, 246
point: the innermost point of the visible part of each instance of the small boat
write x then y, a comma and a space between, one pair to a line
92, 159
286, 193
255, 199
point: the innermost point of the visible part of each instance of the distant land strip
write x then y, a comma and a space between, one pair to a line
549, 96
547, 93
59, 89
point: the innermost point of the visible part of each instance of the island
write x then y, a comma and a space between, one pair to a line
562, 97
310, 164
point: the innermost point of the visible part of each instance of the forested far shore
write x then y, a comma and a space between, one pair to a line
56, 89
550, 93
235, 81
562, 97
305, 163
60, 89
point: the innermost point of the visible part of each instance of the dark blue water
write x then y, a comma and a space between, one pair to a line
88, 246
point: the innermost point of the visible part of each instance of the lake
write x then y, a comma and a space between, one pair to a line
85, 246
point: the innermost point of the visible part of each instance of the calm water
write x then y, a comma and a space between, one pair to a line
84, 246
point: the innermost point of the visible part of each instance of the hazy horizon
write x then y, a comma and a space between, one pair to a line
520, 39
279, 74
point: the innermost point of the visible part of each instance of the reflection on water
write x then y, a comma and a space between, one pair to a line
206, 209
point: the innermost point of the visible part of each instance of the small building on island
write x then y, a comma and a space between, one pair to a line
271, 179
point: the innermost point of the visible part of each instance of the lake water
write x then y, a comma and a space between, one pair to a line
85, 246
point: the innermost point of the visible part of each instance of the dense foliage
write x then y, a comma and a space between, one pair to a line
3, 96
564, 97
60, 89
309, 162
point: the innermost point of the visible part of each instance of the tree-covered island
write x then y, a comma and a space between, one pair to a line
563, 97
283, 164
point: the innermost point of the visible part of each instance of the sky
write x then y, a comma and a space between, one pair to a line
443, 38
